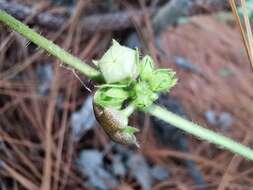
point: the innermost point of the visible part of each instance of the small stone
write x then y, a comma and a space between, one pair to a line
83, 120
1, 164
211, 118
140, 170
187, 65
159, 173
91, 164
118, 167
225, 120
45, 76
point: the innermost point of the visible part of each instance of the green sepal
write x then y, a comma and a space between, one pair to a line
162, 80
130, 130
146, 68
112, 85
117, 93
110, 97
144, 96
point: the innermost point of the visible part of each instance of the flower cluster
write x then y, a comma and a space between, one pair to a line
129, 81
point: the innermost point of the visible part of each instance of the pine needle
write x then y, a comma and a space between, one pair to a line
247, 38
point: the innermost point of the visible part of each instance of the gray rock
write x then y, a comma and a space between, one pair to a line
159, 173
45, 76
118, 167
140, 170
1, 164
83, 120
210, 117
187, 65
225, 120
91, 164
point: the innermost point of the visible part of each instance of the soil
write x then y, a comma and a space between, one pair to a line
35, 133
225, 80
223, 83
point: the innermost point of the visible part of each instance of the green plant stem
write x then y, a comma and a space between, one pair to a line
154, 110
48, 45
128, 110
203, 133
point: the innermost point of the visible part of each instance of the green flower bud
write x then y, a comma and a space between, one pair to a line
146, 67
110, 97
118, 63
162, 80
144, 96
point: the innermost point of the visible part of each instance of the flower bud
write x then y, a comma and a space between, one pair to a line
118, 63
144, 96
146, 67
162, 80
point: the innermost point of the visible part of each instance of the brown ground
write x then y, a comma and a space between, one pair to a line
37, 133
214, 47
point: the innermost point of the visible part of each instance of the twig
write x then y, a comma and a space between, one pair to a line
239, 23
232, 167
174, 9
208, 6
20, 178
48, 45
103, 22
248, 29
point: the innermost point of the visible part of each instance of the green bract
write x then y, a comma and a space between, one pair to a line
144, 96
118, 63
130, 130
146, 68
162, 80
110, 97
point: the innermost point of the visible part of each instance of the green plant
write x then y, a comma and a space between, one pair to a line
128, 80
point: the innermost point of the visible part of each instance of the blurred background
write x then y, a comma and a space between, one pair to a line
49, 138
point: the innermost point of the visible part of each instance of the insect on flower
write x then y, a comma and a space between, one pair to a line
114, 124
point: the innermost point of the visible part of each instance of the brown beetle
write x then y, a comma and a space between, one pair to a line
113, 123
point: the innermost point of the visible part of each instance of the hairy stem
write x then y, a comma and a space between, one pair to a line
154, 110
49, 46
201, 132
128, 110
